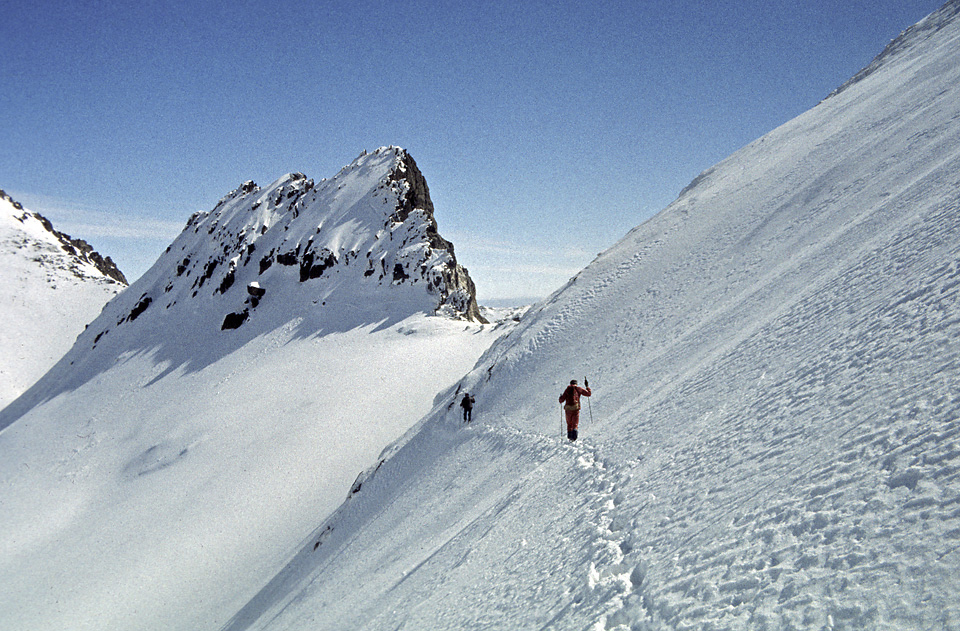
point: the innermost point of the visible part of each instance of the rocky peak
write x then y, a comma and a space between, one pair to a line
459, 287
360, 247
77, 249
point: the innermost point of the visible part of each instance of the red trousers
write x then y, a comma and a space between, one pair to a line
573, 418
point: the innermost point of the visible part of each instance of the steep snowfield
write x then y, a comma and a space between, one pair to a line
50, 294
167, 463
774, 436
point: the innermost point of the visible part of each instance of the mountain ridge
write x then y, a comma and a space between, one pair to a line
77, 248
933, 22
54, 285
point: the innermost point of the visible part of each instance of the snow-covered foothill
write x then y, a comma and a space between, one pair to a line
52, 286
773, 440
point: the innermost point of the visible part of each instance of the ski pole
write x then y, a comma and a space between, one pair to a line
589, 407
562, 433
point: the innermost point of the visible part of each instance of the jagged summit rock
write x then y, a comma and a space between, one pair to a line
370, 228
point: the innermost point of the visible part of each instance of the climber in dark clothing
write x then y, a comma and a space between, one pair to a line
467, 404
571, 405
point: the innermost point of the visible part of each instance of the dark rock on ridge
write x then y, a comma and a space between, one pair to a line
457, 282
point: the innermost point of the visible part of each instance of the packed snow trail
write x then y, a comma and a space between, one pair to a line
466, 536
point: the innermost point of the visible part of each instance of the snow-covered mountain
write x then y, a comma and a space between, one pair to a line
53, 286
358, 249
773, 440
226, 401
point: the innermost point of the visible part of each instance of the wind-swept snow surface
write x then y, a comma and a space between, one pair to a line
774, 436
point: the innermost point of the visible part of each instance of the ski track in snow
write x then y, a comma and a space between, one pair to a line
614, 573
591, 527
779, 554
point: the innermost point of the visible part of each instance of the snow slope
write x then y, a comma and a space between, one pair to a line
53, 286
168, 461
774, 436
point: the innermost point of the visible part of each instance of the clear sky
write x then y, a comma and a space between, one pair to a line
545, 130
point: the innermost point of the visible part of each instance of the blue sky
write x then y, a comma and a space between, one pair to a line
546, 130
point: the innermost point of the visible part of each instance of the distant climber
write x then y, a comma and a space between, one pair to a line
571, 405
467, 404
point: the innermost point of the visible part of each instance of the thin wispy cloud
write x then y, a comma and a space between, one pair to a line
82, 221
128, 229
476, 244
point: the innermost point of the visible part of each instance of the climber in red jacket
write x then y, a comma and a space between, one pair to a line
571, 405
